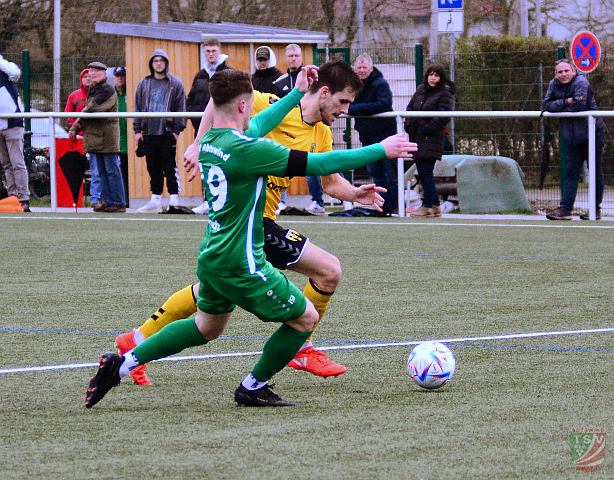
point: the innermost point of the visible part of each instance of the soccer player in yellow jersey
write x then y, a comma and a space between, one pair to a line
305, 128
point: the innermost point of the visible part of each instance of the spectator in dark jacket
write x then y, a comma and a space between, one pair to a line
376, 97
435, 94
294, 60
571, 92
266, 71
198, 97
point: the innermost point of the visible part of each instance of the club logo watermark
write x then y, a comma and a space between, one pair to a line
587, 448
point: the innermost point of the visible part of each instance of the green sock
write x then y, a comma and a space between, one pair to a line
171, 339
279, 349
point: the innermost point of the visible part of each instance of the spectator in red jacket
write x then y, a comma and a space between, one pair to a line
75, 103
76, 100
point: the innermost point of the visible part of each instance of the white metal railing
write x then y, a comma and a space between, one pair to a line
590, 115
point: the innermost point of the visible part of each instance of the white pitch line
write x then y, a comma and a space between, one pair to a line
336, 347
472, 339
328, 221
80, 218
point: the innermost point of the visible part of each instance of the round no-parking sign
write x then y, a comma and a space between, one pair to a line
585, 51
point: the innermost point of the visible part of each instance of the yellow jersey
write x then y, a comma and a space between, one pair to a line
293, 133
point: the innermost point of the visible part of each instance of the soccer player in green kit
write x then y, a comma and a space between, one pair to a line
232, 267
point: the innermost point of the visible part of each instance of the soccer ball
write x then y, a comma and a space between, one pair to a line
431, 365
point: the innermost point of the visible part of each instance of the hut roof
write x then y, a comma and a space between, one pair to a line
225, 32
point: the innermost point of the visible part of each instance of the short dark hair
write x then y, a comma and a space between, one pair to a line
438, 69
337, 76
214, 42
226, 85
564, 60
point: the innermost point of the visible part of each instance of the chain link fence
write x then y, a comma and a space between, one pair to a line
510, 85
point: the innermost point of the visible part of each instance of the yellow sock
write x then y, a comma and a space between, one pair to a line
180, 304
320, 300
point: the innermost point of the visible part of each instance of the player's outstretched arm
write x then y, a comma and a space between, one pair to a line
190, 161
270, 117
190, 157
307, 76
398, 146
338, 187
395, 146
369, 194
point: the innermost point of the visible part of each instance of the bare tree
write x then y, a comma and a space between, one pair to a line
594, 15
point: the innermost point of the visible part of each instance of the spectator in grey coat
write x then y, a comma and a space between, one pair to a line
160, 92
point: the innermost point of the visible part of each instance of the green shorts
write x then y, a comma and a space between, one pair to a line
271, 297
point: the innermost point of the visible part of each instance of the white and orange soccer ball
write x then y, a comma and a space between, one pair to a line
431, 365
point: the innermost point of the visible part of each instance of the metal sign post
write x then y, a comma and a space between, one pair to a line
451, 20
450, 16
585, 54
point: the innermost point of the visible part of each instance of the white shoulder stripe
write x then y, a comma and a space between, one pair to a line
249, 247
279, 79
242, 136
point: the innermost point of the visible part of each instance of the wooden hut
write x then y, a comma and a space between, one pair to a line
184, 45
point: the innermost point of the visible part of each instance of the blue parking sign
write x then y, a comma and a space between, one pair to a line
450, 4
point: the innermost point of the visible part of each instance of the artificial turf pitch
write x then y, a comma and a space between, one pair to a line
71, 283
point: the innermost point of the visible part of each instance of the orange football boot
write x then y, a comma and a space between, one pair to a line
124, 343
316, 362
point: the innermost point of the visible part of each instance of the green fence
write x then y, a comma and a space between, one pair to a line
36, 86
514, 80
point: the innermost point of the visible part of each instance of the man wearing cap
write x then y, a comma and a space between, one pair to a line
120, 89
101, 136
160, 92
198, 97
266, 71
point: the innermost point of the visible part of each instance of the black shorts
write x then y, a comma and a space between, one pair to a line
282, 247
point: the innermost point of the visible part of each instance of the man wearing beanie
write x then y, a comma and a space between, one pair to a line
101, 138
160, 92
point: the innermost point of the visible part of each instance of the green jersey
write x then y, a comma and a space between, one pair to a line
234, 170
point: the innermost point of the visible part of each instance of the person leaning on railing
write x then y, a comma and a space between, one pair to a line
570, 91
